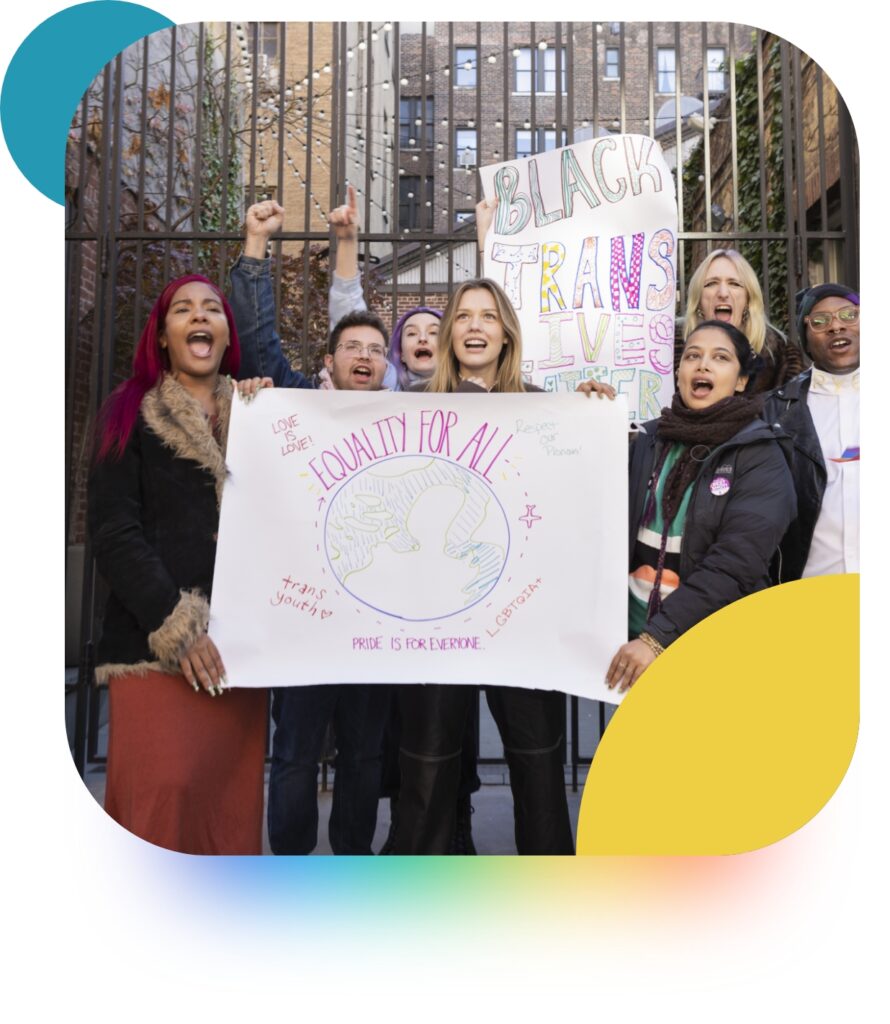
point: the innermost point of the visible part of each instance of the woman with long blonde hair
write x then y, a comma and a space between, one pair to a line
462, 356
724, 287
480, 350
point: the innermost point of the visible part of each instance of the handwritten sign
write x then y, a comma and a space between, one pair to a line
410, 538
584, 243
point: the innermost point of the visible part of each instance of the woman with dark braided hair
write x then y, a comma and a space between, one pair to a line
711, 495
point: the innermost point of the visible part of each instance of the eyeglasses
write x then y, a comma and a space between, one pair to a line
357, 349
822, 321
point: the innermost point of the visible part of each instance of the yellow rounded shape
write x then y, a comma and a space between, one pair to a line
738, 734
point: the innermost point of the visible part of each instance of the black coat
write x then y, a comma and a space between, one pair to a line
787, 407
728, 539
153, 516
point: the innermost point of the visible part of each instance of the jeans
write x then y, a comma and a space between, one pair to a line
531, 724
301, 715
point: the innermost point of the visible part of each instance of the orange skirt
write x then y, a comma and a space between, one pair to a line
185, 770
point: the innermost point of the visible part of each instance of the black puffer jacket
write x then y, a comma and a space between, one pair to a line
153, 516
728, 539
787, 407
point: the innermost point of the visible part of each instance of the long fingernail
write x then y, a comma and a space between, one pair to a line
195, 687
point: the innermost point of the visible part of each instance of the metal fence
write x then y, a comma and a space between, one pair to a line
184, 130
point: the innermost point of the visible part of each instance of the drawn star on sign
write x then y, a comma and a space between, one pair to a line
529, 518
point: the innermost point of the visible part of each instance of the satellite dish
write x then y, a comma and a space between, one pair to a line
666, 116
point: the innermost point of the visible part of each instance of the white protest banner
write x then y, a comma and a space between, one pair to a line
410, 538
584, 242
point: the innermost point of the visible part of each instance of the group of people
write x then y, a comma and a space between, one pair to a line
750, 477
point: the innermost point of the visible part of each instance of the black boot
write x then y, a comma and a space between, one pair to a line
462, 840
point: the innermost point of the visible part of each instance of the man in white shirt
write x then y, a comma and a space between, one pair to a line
820, 411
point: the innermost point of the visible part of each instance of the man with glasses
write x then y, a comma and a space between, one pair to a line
355, 361
820, 411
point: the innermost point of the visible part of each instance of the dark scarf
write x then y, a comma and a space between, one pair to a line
701, 431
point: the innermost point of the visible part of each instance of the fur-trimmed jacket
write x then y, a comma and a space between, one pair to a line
153, 517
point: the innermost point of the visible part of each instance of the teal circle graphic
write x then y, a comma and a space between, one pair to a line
49, 74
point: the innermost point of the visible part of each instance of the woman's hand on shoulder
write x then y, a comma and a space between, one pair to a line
593, 387
203, 668
629, 663
250, 388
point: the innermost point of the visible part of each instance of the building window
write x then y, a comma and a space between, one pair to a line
612, 66
544, 63
667, 69
267, 40
465, 147
462, 217
716, 64
415, 203
416, 122
615, 27
465, 66
544, 139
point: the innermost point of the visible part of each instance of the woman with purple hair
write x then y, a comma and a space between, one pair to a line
185, 753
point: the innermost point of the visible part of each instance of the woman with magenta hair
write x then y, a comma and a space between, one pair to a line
185, 753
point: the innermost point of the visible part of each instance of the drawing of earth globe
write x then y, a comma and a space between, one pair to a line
416, 537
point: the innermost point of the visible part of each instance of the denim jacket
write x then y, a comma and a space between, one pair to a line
253, 305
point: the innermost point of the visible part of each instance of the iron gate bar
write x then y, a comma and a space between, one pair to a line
706, 118
224, 174
140, 206
678, 177
199, 98
787, 159
168, 205
623, 76
650, 73
307, 183
849, 192
761, 128
800, 165
282, 130
823, 197
451, 149
733, 129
